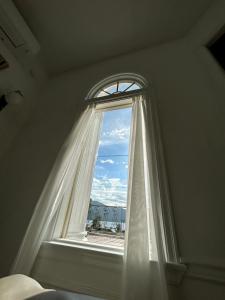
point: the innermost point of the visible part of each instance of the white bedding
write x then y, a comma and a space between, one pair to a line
20, 287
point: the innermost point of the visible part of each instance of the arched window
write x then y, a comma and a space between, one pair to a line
117, 87
104, 223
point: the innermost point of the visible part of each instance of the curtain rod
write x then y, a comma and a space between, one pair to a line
115, 97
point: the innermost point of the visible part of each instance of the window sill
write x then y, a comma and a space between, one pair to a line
174, 271
88, 246
80, 268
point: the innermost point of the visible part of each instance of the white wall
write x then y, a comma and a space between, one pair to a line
189, 90
191, 111
28, 81
13, 121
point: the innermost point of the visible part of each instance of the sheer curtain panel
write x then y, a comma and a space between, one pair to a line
143, 275
59, 184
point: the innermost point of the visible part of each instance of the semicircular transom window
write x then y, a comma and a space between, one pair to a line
118, 87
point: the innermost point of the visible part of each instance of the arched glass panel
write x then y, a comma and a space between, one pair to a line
117, 87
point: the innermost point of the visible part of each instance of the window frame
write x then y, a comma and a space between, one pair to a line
101, 84
60, 221
161, 183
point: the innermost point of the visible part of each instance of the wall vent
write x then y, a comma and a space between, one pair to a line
217, 48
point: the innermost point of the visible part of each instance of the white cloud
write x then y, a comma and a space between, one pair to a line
109, 191
120, 134
107, 161
115, 136
99, 168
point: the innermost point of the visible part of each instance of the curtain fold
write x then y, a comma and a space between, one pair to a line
78, 210
143, 270
59, 182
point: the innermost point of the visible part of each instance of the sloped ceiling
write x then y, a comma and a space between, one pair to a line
75, 33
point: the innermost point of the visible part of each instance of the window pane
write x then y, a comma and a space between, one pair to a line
115, 134
107, 209
133, 87
111, 89
110, 180
123, 86
102, 94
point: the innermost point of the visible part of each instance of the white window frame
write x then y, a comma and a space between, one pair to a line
60, 219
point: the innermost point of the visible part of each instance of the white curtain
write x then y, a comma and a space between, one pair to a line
78, 210
143, 274
70, 181
60, 183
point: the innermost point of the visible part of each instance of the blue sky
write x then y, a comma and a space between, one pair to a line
111, 170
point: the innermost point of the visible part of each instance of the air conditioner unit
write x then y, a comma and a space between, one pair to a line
15, 33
